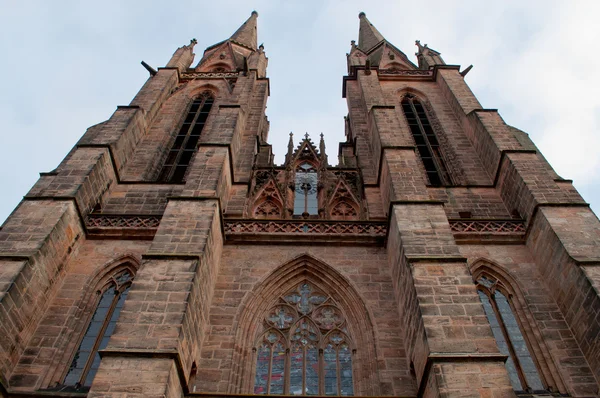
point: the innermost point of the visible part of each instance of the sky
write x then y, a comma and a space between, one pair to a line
66, 65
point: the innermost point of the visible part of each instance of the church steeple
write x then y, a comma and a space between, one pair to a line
238, 53
246, 35
368, 35
373, 50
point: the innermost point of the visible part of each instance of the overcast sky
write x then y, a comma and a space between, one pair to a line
66, 66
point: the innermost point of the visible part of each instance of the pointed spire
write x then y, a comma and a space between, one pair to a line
322, 151
182, 57
246, 34
291, 143
428, 57
290, 151
368, 35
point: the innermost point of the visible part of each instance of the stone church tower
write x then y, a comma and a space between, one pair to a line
168, 256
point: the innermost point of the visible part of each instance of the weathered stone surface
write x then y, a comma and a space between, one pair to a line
199, 296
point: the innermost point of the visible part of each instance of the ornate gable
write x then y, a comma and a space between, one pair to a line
306, 151
218, 59
269, 202
226, 56
343, 204
356, 57
394, 59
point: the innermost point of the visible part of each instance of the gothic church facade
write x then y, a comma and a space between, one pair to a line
168, 255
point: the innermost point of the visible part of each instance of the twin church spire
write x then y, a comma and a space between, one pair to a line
373, 50
372, 45
246, 35
368, 35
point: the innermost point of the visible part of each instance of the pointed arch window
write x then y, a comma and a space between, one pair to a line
102, 325
305, 199
426, 141
521, 367
179, 157
304, 348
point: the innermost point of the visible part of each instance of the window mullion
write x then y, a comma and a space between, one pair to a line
287, 371
303, 370
509, 343
270, 368
432, 153
337, 370
321, 373
99, 338
182, 148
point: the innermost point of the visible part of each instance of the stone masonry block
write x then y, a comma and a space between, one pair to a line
524, 184
121, 132
186, 226
565, 242
46, 232
424, 230
85, 175
120, 377
209, 174
155, 92
226, 129
401, 179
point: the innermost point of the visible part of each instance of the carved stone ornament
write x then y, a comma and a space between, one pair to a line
209, 75
405, 72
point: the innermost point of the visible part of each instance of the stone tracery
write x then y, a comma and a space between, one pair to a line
304, 332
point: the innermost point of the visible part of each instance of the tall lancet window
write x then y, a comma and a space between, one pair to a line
305, 199
523, 373
184, 147
102, 325
426, 141
304, 348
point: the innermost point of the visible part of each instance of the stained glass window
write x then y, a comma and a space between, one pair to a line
304, 332
179, 157
521, 368
428, 146
305, 199
102, 325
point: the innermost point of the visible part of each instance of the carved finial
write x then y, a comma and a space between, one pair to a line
290, 151
193, 42
261, 48
418, 43
353, 43
322, 150
322, 145
306, 136
362, 15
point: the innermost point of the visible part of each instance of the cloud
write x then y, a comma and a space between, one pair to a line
67, 66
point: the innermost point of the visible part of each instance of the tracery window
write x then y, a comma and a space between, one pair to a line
179, 157
523, 373
305, 199
305, 348
426, 141
102, 325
